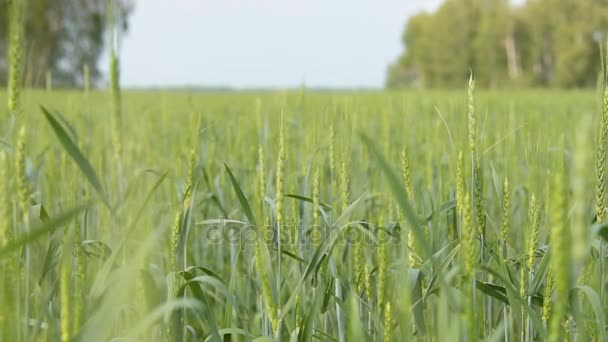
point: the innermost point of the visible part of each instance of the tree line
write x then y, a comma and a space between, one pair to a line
546, 43
61, 37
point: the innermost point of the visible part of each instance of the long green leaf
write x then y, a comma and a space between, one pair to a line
205, 309
50, 260
399, 193
325, 248
326, 206
144, 204
41, 230
74, 152
415, 284
242, 199
594, 299
305, 333
168, 307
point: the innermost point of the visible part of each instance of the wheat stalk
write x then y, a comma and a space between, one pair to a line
15, 56
382, 255
5, 210
560, 255
579, 227
65, 303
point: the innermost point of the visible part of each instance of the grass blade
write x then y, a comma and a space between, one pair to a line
74, 152
242, 199
43, 229
400, 195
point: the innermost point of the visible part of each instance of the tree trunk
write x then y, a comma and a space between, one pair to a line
512, 58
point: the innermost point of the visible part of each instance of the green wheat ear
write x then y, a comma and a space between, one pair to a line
358, 264
600, 163
175, 231
472, 116
460, 183
15, 56
534, 232
506, 210
316, 194
405, 170
460, 191
530, 245
23, 184
344, 186
547, 297
367, 278
261, 179
191, 177
407, 183
411, 243
388, 322
468, 237
469, 253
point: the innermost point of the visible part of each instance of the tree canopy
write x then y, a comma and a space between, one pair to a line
61, 36
539, 43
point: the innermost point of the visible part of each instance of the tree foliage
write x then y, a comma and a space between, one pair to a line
61, 36
538, 43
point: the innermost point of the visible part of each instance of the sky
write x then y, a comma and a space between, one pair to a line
264, 43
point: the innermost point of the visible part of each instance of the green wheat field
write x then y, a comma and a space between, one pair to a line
304, 216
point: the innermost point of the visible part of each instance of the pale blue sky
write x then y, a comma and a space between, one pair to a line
264, 43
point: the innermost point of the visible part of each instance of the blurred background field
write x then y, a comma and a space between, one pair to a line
247, 178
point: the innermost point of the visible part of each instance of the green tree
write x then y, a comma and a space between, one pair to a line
576, 49
61, 36
410, 68
564, 46
453, 33
540, 43
490, 42
438, 46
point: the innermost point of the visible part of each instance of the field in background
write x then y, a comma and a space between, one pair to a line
163, 245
